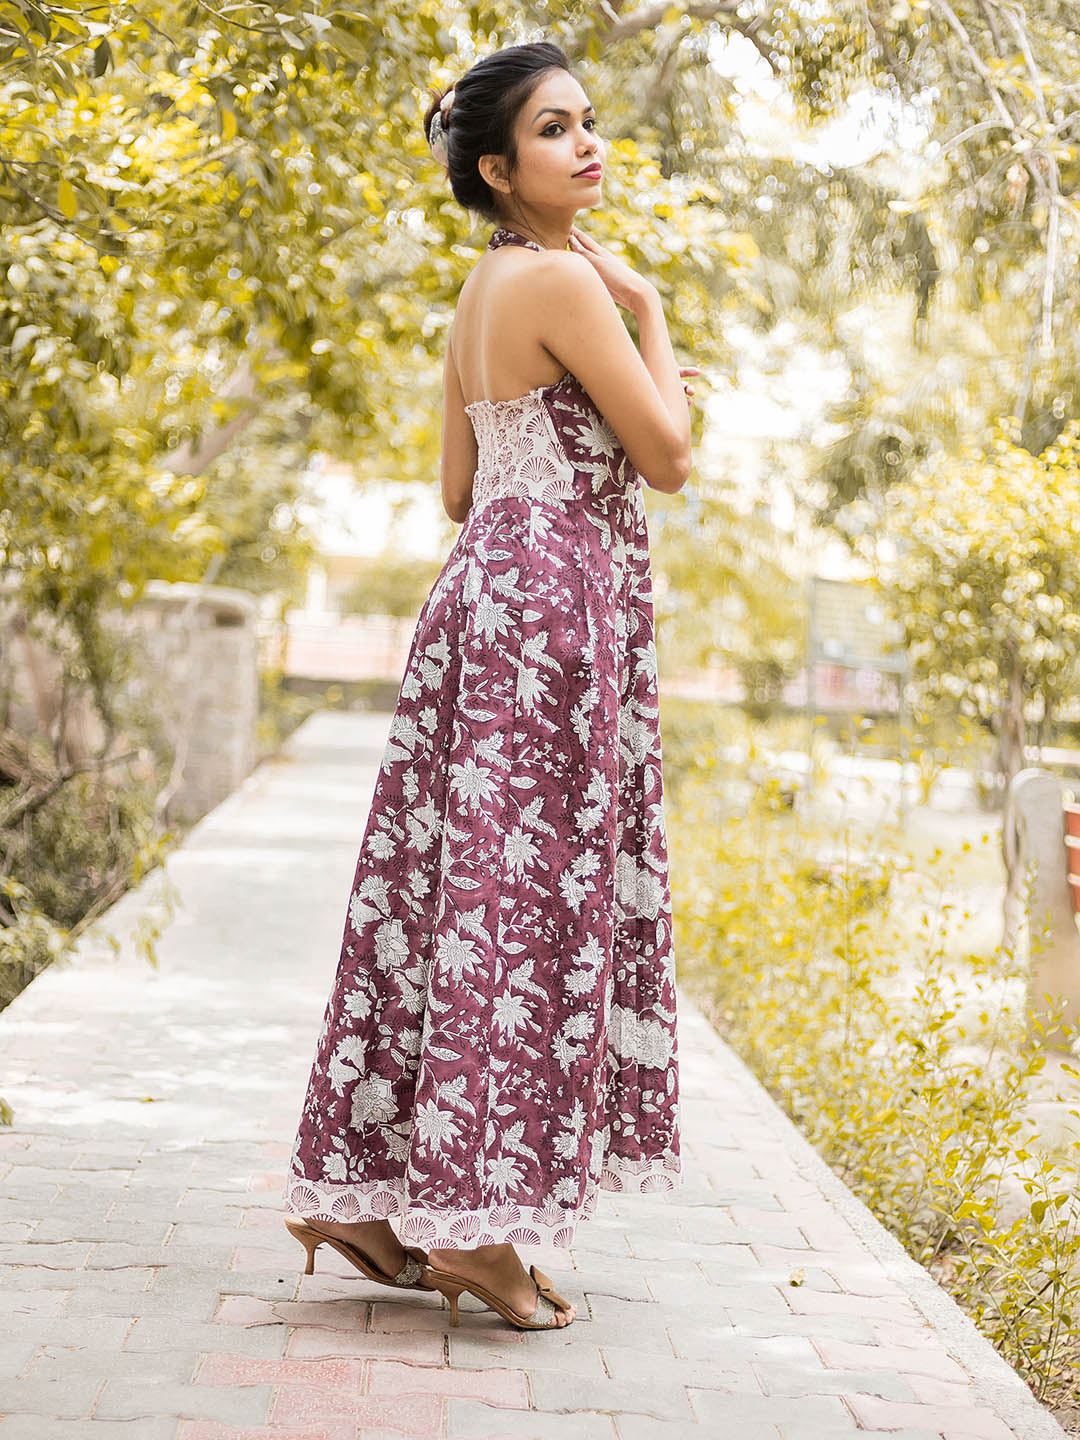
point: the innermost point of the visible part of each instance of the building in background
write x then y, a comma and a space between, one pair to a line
354, 525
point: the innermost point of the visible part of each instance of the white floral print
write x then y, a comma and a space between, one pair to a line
500, 1040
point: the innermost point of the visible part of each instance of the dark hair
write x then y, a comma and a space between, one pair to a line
486, 102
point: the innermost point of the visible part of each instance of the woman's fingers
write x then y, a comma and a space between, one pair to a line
586, 240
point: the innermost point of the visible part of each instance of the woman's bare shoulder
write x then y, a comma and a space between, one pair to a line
528, 269
554, 279
526, 282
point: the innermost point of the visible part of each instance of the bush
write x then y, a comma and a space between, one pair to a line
835, 976
27, 945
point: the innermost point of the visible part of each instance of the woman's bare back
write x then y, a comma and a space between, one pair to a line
493, 339
527, 316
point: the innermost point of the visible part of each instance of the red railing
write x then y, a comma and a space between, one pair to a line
1072, 852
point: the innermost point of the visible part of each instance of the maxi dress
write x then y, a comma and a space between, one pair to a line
500, 1041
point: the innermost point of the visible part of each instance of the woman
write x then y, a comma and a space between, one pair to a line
500, 1040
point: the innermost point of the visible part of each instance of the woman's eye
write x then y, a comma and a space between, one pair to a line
556, 126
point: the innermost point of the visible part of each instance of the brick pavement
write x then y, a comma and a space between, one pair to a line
151, 1291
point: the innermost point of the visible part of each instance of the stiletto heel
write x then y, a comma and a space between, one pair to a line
450, 1290
548, 1302
310, 1242
410, 1277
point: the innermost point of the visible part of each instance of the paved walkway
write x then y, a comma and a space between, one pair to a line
151, 1290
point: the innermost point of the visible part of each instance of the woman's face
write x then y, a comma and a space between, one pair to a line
556, 138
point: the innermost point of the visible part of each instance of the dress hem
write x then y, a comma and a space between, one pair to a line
545, 1224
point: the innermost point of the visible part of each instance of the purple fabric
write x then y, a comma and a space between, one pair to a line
500, 1040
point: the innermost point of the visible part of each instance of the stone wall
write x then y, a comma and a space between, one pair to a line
198, 678
201, 648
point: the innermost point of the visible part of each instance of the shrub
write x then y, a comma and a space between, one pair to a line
836, 976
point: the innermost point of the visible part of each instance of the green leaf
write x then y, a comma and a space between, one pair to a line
349, 45
66, 199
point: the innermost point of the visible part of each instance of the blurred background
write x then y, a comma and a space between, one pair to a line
228, 263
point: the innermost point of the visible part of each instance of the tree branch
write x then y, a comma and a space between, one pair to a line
26, 804
665, 75
650, 15
194, 457
892, 61
1053, 184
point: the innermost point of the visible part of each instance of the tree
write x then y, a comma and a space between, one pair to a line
388, 584
223, 240
931, 258
986, 582
730, 591
224, 245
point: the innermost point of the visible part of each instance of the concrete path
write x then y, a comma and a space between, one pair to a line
151, 1290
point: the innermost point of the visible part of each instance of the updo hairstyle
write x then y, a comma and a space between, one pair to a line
485, 105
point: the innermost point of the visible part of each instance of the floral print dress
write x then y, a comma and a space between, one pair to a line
500, 1040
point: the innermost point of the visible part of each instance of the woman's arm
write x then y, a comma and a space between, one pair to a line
640, 296
640, 394
659, 360
459, 454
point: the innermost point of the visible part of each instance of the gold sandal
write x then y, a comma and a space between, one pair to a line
409, 1277
548, 1302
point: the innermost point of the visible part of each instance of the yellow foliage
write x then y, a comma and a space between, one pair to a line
802, 943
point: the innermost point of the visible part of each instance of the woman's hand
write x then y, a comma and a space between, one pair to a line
625, 286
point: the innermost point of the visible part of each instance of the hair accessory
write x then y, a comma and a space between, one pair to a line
437, 139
